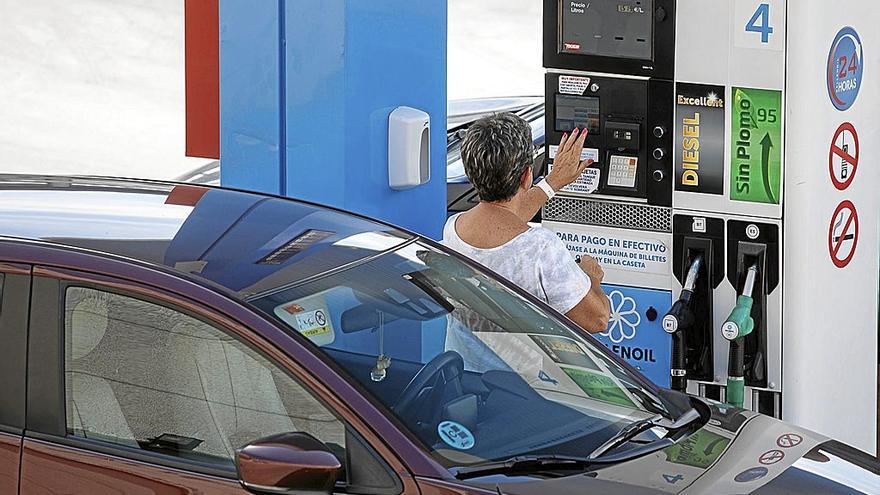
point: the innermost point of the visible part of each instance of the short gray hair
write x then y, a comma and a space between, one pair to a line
496, 152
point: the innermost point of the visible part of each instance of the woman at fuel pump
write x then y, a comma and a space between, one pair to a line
498, 153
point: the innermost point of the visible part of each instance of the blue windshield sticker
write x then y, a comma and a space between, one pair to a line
751, 474
455, 435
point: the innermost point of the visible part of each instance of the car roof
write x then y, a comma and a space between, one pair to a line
248, 243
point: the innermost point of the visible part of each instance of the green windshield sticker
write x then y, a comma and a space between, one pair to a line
599, 387
756, 145
563, 350
699, 450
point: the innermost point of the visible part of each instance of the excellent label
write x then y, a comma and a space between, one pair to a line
756, 146
699, 136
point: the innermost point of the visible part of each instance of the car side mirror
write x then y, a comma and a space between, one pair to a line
288, 463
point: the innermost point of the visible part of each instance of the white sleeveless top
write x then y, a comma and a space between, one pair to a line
535, 260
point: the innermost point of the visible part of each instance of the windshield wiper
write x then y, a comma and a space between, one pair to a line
635, 429
539, 463
524, 464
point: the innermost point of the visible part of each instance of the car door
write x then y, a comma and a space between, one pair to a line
15, 282
131, 392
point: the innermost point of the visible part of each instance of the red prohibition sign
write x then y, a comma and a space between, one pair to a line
771, 457
841, 232
789, 440
846, 157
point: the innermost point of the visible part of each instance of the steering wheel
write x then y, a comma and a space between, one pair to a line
434, 377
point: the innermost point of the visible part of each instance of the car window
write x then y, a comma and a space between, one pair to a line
148, 377
472, 368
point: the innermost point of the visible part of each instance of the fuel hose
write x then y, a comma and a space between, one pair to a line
676, 322
737, 326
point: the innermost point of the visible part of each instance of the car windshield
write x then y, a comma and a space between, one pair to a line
476, 371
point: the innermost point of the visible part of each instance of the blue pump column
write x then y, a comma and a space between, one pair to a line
306, 87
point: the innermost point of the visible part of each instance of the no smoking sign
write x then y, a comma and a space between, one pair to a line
843, 158
771, 457
843, 234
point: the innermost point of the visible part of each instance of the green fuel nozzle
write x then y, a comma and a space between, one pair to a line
739, 324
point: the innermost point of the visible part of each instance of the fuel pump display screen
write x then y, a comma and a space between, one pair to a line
577, 112
607, 28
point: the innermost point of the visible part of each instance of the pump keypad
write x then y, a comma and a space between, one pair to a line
622, 171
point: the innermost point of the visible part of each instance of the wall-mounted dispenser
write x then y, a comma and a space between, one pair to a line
409, 148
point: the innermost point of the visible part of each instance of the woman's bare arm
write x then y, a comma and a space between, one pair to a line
567, 167
593, 311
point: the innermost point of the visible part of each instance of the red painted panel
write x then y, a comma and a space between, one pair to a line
185, 195
10, 452
49, 469
202, 26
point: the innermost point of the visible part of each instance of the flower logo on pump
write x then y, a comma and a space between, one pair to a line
624, 318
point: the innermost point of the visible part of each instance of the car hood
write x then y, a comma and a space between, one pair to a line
737, 452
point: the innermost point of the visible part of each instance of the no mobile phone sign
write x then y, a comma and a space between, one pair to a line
843, 234
843, 159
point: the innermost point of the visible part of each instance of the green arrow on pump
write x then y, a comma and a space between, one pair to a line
739, 324
766, 145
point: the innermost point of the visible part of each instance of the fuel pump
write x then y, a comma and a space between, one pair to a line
693, 109
619, 211
738, 325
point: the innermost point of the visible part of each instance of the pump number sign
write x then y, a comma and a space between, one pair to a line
756, 145
760, 24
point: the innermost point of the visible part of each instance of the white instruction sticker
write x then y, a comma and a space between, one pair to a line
312, 320
586, 154
587, 183
573, 85
310, 317
616, 249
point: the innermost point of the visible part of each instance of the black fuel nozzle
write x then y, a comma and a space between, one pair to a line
677, 321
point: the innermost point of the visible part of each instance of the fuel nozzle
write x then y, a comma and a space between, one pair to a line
739, 324
676, 322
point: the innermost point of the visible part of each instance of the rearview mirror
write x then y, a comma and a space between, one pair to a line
288, 463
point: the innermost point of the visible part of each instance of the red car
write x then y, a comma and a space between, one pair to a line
162, 338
